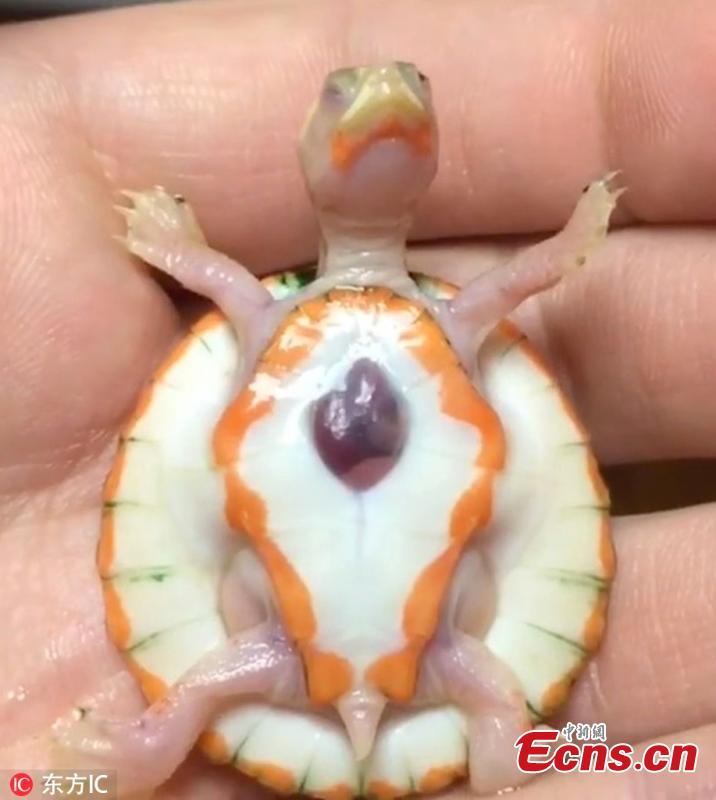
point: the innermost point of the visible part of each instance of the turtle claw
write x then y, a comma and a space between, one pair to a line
131, 194
157, 217
607, 186
588, 224
125, 211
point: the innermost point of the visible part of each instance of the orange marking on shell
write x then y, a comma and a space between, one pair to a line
233, 426
328, 675
111, 485
607, 556
384, 790
595, 476
395, 674
372, 299
509, 330
152, 686
420, 618
214, 746
177, 353
474, 509
341, 791
346, 149
537, 359
460, 400
145, 398
594, 626
208, 322
118, 624
246, 511
291, 592
439, 777
279, 779
556, 694
428, 345
105, 546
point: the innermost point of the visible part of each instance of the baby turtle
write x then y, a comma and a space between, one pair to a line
354, 540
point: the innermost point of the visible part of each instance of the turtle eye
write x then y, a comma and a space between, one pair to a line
333, 93
340, 85
418, 81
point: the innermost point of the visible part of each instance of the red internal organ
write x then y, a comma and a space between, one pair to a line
359, 431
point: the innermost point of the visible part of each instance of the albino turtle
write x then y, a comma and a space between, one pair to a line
354, 540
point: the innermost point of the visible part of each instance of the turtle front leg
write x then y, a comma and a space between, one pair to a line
480, 305
146, 750
460, 668
162, 229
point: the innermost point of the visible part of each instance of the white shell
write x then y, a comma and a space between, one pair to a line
165, 545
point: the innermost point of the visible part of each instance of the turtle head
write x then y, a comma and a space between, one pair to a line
369, 146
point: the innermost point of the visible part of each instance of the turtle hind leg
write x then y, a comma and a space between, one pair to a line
146, 749
460, 668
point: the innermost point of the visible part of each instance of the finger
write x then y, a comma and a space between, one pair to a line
80, 325
656, 669
533, 100
630, 336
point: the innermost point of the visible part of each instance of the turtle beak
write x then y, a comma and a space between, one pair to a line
385, 107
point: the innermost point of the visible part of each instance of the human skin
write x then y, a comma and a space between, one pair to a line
207, 98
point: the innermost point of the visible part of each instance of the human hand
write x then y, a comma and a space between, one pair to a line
207, 98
